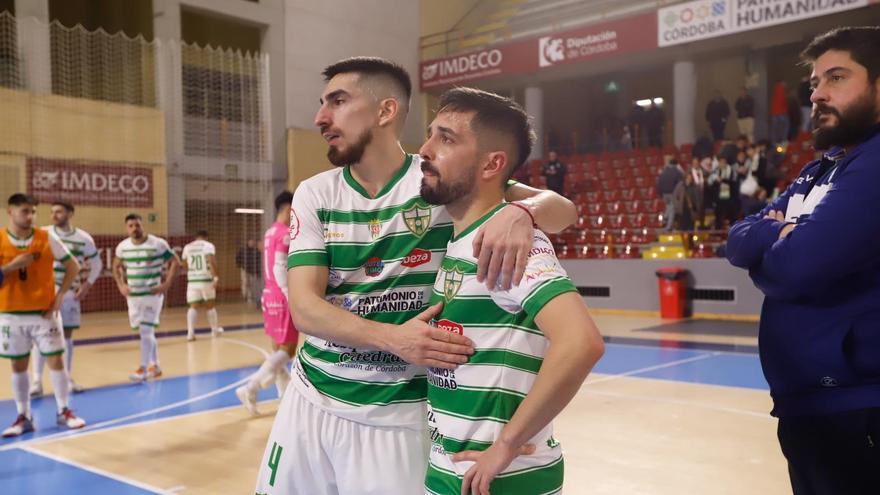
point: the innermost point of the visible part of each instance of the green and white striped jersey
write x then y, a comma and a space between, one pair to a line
195, 254
383, 254
82, 246
469, 406
143, 263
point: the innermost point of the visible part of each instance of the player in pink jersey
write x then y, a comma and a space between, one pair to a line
276, 317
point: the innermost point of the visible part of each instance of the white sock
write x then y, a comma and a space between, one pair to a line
39, 360
20, 393
146, 345
212, 319
61, 387
154, 348
191, 315
68, 354
266, 374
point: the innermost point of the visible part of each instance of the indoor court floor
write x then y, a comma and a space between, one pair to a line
672, 408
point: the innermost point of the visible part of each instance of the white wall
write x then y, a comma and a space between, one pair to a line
320, 33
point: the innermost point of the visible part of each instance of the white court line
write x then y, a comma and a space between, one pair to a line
646, 369
104, 424
99, 472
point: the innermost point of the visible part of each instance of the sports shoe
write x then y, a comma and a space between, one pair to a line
190, 337
68, 419
154, 372
218, 333
282, 379
36, 389
22, 425
139, 375
76, 387
248, 397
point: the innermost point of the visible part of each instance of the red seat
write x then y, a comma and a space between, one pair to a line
611, 195
656, 220
618, 221
597, 222
628, 194
702, 251
607, 252
596, 208
599, 236
613, 207
584, 251
593, 196
630, 252
633, 206
624, 183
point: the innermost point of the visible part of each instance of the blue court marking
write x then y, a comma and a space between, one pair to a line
25, 472
134, 335
684, 344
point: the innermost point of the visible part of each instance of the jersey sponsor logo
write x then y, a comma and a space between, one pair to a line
538, 251
374, 266
451, 283
329, 235
417, 218
375, 228
534, 272
417, 257
442, 378
450, 326
294, 224
394, 301
334, 279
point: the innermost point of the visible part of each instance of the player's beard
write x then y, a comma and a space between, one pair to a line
446, 192
854, 124
351, 154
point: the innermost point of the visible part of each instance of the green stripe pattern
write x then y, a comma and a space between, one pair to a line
143, 263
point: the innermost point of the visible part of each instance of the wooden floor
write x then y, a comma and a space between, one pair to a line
651, 420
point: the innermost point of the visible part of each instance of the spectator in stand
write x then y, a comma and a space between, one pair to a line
636, 121
699, 178
745, 114
703, 148
554, 171
655, 120
709, 165
669, 177
754, 203
626, 139
804, 94
726, 187
779, 113
717, 113
685, 199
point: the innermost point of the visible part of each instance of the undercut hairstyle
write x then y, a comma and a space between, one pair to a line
861, 42
132, 216
64, 204
19, 199
378, 69
282, 200
494, 113
202, 233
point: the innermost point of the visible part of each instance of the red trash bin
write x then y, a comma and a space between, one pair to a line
673, 292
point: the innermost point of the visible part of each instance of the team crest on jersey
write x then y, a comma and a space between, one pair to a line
451, 283
417, 218
375, 228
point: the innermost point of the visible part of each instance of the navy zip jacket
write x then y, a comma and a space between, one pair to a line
819, 335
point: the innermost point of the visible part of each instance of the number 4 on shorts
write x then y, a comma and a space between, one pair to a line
274, 459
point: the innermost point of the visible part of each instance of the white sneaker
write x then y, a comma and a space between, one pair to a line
282, 380
75, 387
68, 419
139, 375
36, 389
218, 333
248, 398
190, 336
22, 425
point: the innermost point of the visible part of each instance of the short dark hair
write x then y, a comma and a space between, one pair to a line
19, 199
64, 204
285, 198
861, 42
372, 66
132, 216
494, 112
202, 233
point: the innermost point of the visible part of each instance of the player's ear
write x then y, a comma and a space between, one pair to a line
495, 164
388, 110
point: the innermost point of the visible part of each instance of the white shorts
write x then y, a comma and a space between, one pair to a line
144, 309
312, 452
200, 292
70, 311
18, 333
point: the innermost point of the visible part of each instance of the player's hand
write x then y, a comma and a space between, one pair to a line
786, 230
159, 289
417, 342
779, 216
54, 308
19, 262
124, 290
83, 291
216, 282
502, 248
487, 465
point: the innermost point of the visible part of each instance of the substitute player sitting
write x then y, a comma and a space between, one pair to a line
534, 343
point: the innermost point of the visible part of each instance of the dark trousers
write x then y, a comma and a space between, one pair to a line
837, 454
